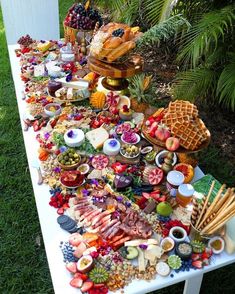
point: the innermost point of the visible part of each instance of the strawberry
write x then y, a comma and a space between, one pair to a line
60, 210
205, 255
76, 283
205, 261
81, 276
87, 286
209, 251
71, 267
98, 285
195, 256
197, 264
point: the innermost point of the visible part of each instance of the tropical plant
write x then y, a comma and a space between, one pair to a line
163, 31
208, 60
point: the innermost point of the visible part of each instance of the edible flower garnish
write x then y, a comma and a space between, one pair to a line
70, 134
143, 246
113, 143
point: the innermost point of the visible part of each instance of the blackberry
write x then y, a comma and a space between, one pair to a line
118, 33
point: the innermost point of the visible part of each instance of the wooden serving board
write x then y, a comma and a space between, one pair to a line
114, 70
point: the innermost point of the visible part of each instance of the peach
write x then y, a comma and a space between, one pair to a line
172, 143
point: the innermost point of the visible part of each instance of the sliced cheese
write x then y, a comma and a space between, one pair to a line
141, 260
79, 84
97, 137
153, 251
142, 241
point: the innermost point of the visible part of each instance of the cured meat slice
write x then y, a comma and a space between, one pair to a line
155, 176
108, 225
99, 193
121, 241
99, 161
100, 216
101, 221
114, 231
116, 238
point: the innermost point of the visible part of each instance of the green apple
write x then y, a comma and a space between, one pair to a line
164, 208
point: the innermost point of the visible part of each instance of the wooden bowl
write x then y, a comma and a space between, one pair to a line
72, 166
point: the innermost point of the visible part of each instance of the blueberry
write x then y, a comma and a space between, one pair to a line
177, 270
187, 269
183, 269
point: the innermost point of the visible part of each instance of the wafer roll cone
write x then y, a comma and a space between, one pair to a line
195, 211
208, 220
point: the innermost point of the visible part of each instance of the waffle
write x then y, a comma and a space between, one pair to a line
183, 106
171, 118
190, 137
199, 124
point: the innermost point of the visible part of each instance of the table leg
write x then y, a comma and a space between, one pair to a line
193, 285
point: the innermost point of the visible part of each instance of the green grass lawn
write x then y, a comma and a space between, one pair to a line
23, 263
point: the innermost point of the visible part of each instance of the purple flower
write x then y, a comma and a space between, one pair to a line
143, 246
57, 169
128, 204
70, 134
113, 143
119, 198
46, 136
69, 77
94, 182
63, 149
116, 214
83, 61
85, 192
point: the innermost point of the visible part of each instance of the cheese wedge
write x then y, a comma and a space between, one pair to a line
43, 47
97, 137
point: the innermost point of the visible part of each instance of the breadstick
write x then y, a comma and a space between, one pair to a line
205, 204
219, 216
210, 210
226, 204
222, 200
208, 220
221, 223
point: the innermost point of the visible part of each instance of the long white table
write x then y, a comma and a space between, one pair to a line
52, 234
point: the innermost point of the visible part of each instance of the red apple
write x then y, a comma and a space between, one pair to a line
162, 133
172, 143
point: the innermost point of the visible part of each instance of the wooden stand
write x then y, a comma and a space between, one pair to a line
115, 73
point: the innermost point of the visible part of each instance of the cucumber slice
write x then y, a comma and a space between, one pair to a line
174, 261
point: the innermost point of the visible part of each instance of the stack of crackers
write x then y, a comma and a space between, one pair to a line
181, 117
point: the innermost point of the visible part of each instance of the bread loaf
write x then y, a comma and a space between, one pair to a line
120, 50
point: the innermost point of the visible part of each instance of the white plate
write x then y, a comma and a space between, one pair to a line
161, 154
137, 136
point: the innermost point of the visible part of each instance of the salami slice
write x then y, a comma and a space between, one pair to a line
99, 161
155, 176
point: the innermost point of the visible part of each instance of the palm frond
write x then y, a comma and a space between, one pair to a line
164, 30
131, 11
159, 10
113, 5
195, 83
226, 85
203, 37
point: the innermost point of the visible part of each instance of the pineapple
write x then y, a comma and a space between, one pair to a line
142, 92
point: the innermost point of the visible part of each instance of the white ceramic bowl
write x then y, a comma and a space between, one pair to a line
52, 113
181, 230
213, 240
170, 240
137, 141
161, 155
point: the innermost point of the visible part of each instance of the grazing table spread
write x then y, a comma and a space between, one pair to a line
128, 219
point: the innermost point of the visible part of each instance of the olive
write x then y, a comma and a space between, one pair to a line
66, 157
62, 162
75, 155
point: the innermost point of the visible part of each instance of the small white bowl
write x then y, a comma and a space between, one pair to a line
215, 251
161, 155
137, 141
52, 113
170, 240
181, 230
